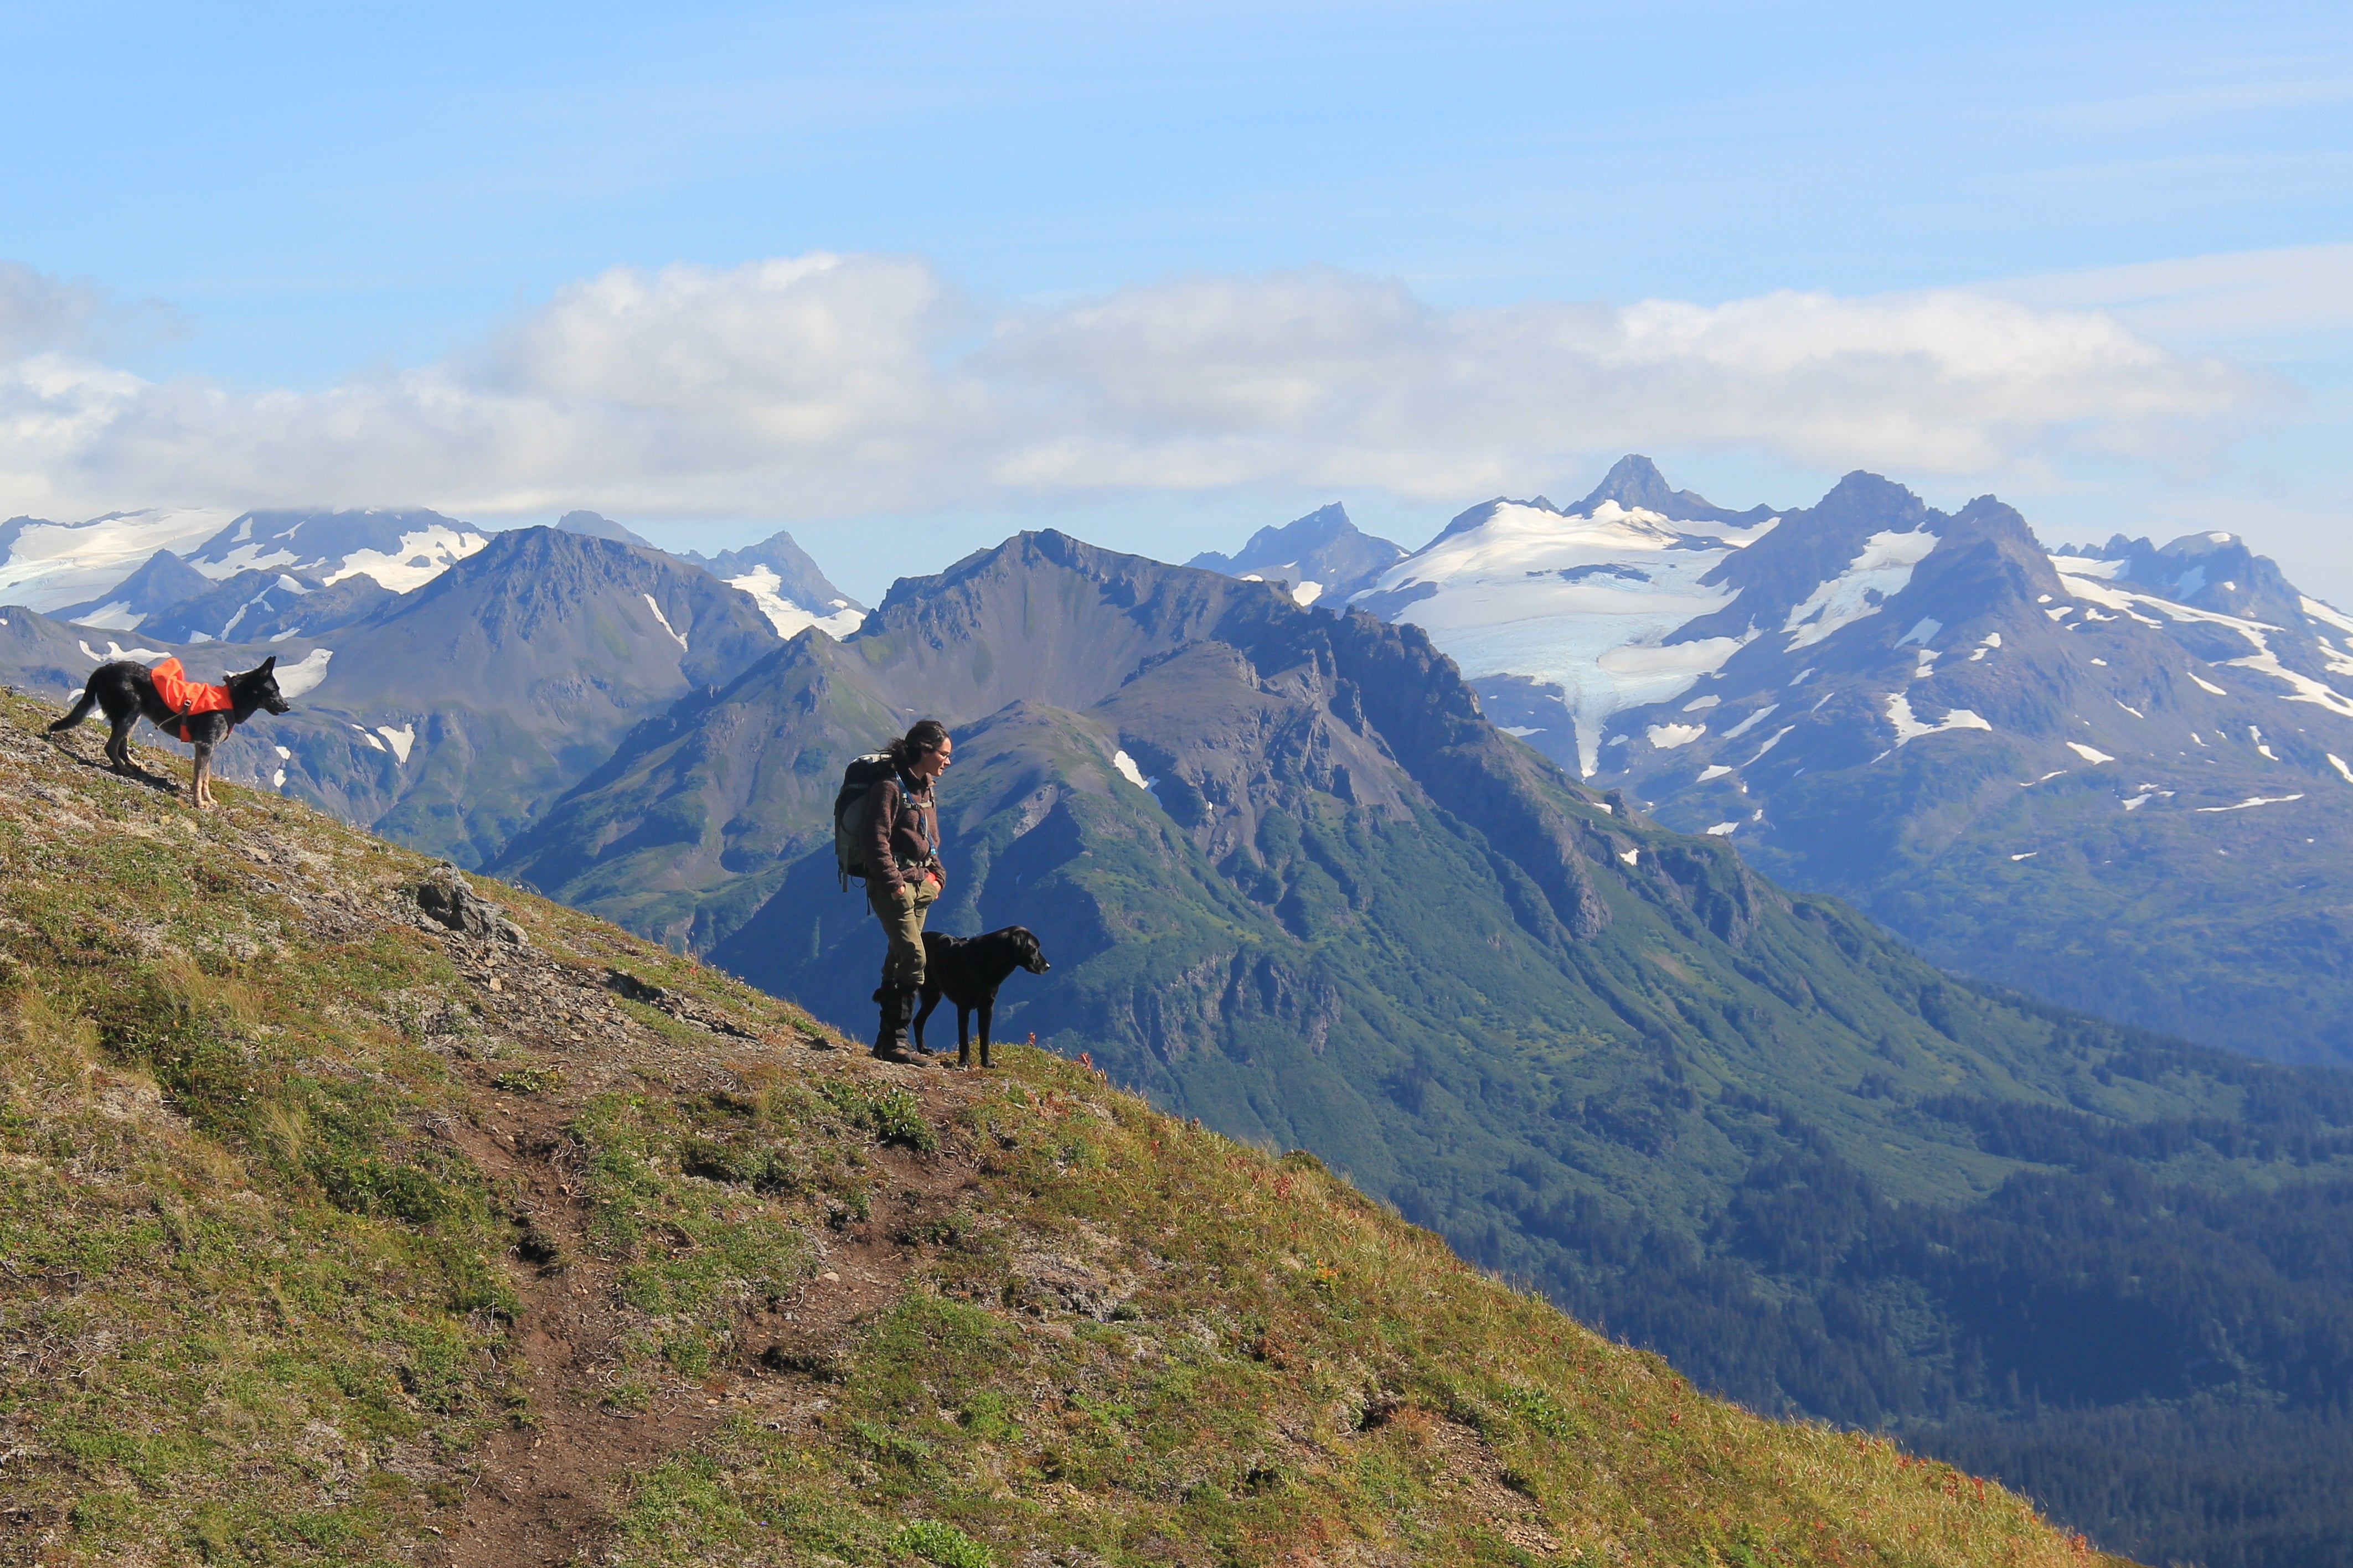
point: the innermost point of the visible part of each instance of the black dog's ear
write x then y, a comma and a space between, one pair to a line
267, 665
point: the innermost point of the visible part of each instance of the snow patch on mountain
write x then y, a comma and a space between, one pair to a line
2263, 659
1876, 575
836, 620
1302, 592
2251, 801
48, 565
294, 680
421, 555
1585, 603
672, 630
115, 650
2324, 613
1909, 728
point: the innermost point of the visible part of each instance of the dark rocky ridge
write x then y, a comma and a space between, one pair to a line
1324, 548
1239, 702
2089, 842
266, 605
162, 581
800, 578
1634, 481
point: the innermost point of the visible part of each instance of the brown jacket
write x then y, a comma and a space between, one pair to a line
903, 831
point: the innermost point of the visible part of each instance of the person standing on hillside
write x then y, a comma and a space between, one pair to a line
904, 874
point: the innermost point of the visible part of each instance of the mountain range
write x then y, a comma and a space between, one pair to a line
1293, 882
2103, 774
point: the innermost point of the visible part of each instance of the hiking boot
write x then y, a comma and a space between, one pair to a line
889, 1032
898, 1011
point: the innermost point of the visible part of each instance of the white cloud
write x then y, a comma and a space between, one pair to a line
831, 385
2293, 292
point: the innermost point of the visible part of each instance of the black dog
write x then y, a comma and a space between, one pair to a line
126, 691
968, 970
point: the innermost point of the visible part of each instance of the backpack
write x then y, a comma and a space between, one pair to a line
849, 812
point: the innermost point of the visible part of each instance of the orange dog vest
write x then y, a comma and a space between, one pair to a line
184, 697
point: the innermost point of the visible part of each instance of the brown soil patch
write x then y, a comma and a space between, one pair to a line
545, 1491
1460, 1462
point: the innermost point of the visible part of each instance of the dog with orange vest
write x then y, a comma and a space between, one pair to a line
185, 710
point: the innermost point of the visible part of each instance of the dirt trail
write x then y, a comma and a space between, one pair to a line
546, 1490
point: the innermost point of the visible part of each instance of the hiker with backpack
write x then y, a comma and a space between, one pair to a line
887, 830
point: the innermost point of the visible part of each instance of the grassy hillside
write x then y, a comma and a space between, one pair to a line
329, 1235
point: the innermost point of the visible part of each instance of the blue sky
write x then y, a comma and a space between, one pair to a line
259, 235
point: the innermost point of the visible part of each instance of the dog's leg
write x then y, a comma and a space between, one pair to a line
931, 1000
118, 742
201, 776
987, 1011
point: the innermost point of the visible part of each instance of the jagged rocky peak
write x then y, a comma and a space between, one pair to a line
1323, 556
1635, 483
53, 566
270, 606
1632, 486
1996, 747
786, 584
597, 526
400, 549
162, 581
2211, 570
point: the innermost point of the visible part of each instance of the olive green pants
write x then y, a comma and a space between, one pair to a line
902, 922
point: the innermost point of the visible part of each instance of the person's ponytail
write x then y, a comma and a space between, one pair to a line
927, 737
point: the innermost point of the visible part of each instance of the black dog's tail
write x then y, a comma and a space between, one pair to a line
80, 712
